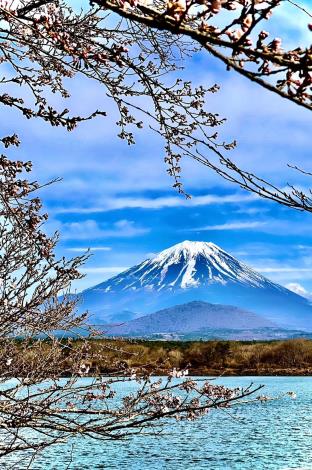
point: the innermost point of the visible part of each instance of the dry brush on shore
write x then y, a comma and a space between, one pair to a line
106, 356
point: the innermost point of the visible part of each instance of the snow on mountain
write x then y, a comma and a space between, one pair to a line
185, 265
194, 271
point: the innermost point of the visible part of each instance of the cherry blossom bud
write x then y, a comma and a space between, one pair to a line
276, 44
235, 35
215, 6
247, 22
268, 15
232, 6
263, 35
176, 8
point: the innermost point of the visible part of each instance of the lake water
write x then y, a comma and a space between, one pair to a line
275, 435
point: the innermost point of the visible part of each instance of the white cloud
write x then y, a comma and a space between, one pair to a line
280, 227
104, 270
252, 210
298, 289
90, 229
285, 274
230, 226
91, 248
107, 171
95, 275
158, 203
285, 270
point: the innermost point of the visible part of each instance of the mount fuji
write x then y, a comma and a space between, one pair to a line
194, 271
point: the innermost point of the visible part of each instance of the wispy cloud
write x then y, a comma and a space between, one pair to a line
269, 225
91, 229
157, 203
252, 210
91, 248
229, 226
286, 275
104, 270
291, 269
298, 289
95, 275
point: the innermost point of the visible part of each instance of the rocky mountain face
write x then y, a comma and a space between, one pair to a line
194, 271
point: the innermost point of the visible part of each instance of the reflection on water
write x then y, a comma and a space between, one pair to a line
275, 435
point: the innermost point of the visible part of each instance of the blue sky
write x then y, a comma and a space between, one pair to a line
117, 200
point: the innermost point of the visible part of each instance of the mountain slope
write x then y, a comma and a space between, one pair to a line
187, 264
194, 271
191, 318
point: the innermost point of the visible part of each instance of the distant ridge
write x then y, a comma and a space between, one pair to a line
192, 318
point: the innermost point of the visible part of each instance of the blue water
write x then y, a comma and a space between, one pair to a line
274, 435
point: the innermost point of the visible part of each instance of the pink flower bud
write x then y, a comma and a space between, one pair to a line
215, 6
263, 34
232, 5
247, 22
276, 44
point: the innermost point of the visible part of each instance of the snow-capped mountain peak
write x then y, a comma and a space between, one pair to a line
194, 271
189, 249
190, 254
185, 265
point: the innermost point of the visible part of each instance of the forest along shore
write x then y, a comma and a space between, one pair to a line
204, 358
